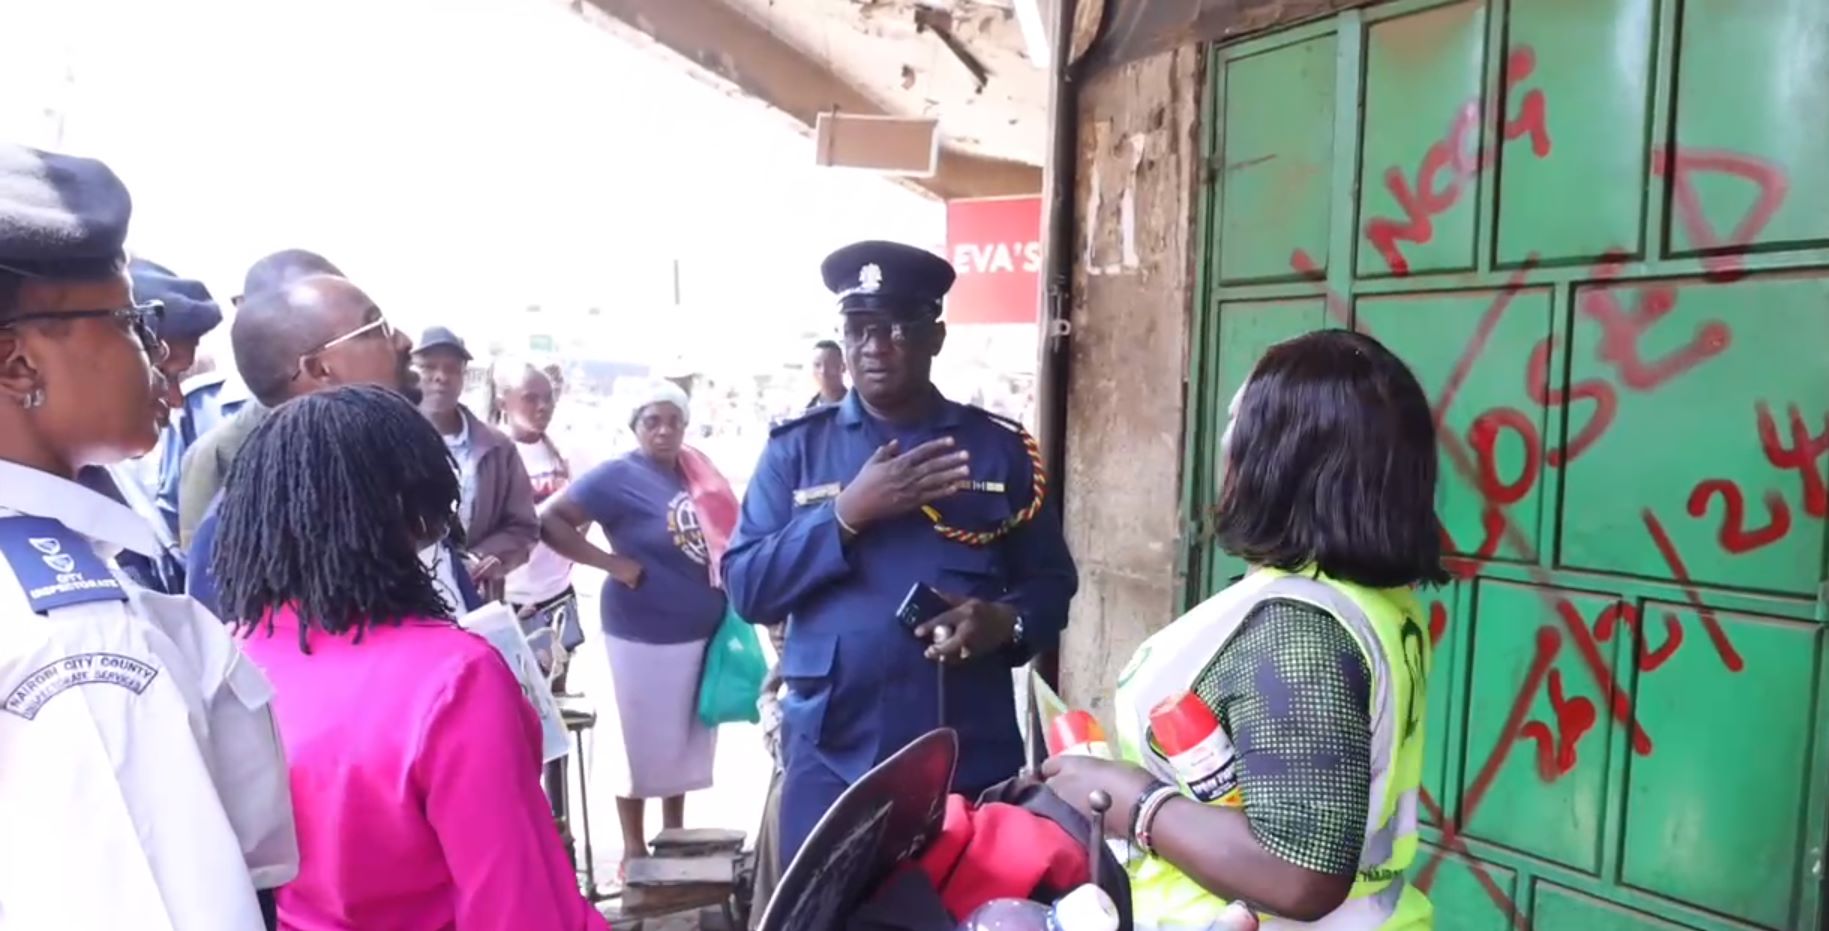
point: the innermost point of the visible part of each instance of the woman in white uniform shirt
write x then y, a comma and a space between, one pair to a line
141, 780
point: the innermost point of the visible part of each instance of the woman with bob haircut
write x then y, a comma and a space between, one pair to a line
414, 756
1305, 680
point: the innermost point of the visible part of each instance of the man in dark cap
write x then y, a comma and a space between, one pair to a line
496, 509
190, 314
855, 504
143, 784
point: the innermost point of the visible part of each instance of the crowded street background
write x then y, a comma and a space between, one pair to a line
914, 465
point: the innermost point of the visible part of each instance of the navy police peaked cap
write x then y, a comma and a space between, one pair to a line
60, 215
190, 311
887, 276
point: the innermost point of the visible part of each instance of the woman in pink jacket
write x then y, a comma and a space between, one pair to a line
414, 757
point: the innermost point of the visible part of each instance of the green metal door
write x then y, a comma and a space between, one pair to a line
1598, 230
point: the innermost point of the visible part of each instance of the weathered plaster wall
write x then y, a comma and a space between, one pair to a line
1139, 163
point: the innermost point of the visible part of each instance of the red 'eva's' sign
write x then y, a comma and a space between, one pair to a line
994, 244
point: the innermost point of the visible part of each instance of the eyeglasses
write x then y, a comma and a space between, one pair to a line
142, 319
379, 323
859, 332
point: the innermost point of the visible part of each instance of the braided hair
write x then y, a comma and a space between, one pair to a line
325, 511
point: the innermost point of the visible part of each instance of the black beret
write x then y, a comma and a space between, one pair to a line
889, 277
59, 214
190, 311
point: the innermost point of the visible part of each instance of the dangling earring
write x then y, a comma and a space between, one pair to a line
34, 399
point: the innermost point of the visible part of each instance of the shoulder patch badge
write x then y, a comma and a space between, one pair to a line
818, 413
55, 565
52, 680
816, 494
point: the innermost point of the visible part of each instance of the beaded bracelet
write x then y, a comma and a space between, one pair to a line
1147, 808
1156, 785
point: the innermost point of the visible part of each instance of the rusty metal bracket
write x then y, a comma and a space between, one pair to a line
941, 23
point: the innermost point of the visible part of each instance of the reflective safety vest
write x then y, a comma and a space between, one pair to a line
1387, 626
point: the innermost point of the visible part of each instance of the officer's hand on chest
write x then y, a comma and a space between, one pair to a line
893, 483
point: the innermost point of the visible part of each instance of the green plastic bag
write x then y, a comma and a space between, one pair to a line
734, 669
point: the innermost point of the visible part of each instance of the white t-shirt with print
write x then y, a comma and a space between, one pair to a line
546, 573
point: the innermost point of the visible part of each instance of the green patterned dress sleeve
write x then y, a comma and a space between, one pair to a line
1292, 690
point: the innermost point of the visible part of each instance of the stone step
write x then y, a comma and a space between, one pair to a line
692, 842
702, 919
660, 885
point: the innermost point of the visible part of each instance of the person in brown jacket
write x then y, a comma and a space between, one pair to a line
496, 508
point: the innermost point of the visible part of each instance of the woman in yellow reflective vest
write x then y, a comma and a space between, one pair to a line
1301, 805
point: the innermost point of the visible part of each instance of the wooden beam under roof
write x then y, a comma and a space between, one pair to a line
734, 48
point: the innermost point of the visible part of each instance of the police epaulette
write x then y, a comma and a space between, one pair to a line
824, 410
197, 383
1014, 426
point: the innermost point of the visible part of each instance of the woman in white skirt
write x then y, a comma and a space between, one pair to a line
664, 517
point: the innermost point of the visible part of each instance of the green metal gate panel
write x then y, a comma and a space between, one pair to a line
1735, 520
1598, 230
1719, 782
1292, 137
1421, 70
1752, 71
1553, 51
1497, 417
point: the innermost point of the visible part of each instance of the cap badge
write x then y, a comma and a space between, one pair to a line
869, 279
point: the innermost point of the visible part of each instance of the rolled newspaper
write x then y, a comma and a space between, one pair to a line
496, 623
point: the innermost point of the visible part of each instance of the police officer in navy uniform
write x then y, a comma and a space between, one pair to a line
197, 403
189, 313
851, 505
142, 784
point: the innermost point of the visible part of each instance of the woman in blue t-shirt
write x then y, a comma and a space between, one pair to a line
660, 604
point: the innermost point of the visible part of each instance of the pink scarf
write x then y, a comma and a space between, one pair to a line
715, 503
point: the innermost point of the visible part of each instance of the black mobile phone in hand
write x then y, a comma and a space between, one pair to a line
922, 604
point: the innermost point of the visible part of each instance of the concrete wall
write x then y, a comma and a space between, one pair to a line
1139, 166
